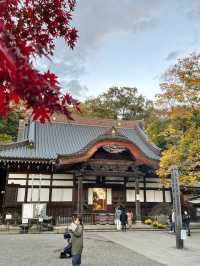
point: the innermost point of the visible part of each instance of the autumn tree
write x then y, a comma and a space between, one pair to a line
179, 102
186, 155
28, 29
119, 102
180, 94
181, 86
168, 125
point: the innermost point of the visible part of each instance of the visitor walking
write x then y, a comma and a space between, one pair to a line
76, 229
172, 221
118, 212
123, 219
130, 218
186, 222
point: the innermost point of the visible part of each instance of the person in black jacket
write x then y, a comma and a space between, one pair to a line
186, 222
123, 219
67, 251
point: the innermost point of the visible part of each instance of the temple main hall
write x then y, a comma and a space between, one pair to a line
85, 166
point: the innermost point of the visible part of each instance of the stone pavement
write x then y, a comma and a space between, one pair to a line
159, 246
44, 249
139, 248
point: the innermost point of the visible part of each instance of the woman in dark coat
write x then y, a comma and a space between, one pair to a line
123, 219
186, 222
76, 229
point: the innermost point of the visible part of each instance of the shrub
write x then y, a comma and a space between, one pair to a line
155, 224
161, 226
148, 221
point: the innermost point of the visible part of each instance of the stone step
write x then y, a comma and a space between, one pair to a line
92, 228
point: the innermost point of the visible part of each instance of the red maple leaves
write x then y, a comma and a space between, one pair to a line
28, 29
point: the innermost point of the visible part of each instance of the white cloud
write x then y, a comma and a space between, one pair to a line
95, 21
193, 11
100, 18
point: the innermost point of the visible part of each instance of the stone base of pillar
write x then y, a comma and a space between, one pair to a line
138, 222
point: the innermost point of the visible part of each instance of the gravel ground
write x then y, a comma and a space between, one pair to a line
44, 249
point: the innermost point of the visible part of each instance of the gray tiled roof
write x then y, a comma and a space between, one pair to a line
53, 139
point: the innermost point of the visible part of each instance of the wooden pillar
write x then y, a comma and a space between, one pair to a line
74, 195
80, 195
6, 185
145, 195
171, 195
51, 182
4, 194
27, 184
137, 201
145, 210
125, 182
163, 191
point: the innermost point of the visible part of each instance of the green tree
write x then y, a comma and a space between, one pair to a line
9, 126
119, 102
4, 138
155, 129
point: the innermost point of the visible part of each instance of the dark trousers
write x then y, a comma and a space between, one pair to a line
186, 226
124, 227
76, 260
172, 227
68, 251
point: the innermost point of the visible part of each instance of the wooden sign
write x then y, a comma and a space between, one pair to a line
8, 216
177, 206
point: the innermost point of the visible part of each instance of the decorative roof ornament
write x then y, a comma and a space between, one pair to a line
114, 148
113, 131
118, 123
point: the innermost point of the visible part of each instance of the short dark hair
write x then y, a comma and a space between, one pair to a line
79, 217
67, 236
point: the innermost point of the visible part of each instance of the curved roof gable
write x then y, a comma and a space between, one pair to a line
52, 139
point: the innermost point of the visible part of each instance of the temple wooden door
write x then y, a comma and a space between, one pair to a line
118, 196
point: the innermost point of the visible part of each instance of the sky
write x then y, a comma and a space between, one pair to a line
125, 43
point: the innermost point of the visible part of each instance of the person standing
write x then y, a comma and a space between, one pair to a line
76, 229
130, 218
123, 219
117, 217
173, 221
186, 222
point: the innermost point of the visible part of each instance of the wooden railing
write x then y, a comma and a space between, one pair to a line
88, 218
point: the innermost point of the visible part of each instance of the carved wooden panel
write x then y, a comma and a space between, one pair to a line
118, 196
109, 165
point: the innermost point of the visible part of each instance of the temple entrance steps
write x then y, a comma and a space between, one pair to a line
112, 228
107, 227
60, 229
